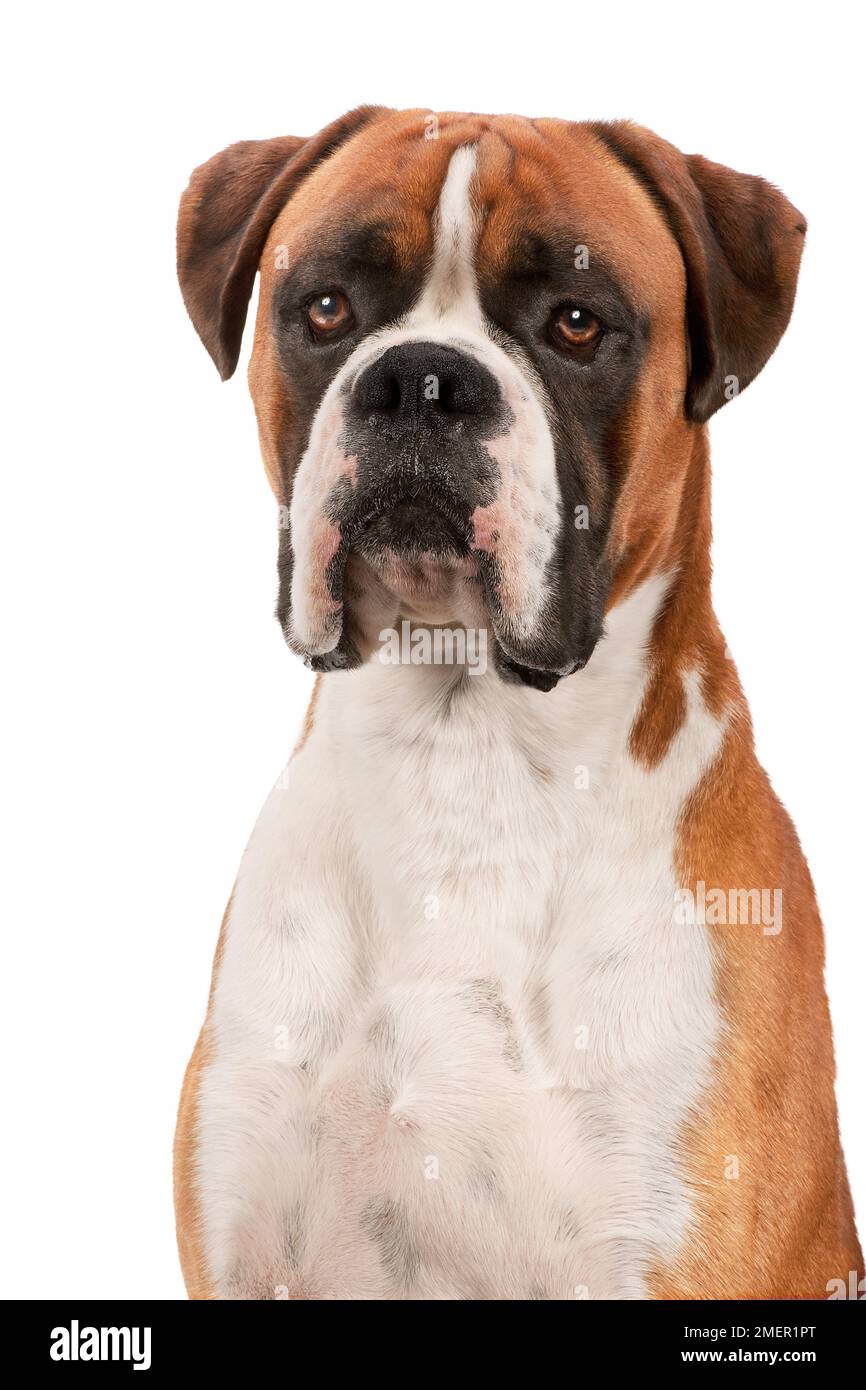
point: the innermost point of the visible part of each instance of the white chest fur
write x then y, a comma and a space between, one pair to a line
457, 1027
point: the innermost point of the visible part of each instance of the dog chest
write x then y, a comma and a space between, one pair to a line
454, 1033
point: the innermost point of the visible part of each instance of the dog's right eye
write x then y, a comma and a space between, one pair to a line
330, 315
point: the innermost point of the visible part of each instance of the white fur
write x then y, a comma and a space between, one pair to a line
432, 912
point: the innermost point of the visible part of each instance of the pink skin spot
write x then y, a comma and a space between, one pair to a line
486, 523
316, 540
321, 606
497, 530
326, 543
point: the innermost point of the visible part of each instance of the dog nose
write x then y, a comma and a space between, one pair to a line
427, 383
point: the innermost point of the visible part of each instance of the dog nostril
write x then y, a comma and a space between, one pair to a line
379, 393
446, 400
464, 396
390, 394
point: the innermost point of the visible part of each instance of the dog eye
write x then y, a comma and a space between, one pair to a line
574, 326
330, 315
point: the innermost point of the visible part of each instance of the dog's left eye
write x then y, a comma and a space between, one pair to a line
573, 326
330, 315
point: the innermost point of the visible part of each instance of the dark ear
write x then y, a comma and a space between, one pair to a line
224, 219
741, 241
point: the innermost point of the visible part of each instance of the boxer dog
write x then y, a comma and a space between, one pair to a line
519, 993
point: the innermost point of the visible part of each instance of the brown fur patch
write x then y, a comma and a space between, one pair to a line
785, 1225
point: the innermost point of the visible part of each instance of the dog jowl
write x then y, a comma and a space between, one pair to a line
456, 342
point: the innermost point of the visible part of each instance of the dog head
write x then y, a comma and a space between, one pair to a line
483, 350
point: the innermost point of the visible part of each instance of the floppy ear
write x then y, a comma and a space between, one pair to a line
741, 241
224, 219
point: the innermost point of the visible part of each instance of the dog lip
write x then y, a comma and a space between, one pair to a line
416, 511
409, 499
542, 678
418, 515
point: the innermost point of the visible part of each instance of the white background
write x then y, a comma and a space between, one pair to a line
150, 699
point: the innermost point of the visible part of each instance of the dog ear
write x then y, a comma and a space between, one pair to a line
741, 241
224, 219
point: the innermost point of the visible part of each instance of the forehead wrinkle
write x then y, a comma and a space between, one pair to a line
393, 176
564, 172
524, 194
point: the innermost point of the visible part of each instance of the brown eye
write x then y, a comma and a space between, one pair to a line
330, 314
575, 326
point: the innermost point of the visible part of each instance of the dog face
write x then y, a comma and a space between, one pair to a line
485, 350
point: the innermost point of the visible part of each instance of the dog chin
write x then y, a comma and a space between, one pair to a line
446, 588
429, 586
